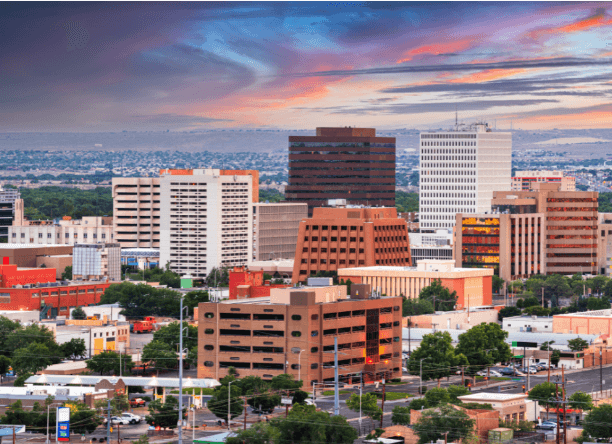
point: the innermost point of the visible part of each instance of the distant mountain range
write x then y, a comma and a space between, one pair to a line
595, 143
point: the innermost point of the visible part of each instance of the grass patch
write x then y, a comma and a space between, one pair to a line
493, 378
392, 396
331, 392
396, 383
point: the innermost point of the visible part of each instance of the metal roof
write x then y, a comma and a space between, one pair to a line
141, 252
561, 339
127, 380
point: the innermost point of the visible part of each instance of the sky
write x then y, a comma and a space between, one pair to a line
89, 66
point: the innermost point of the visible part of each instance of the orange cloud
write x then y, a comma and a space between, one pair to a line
487, 75
436, 49
595, 21
599, 118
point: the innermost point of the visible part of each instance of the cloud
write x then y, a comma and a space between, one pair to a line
437, 49
598, 19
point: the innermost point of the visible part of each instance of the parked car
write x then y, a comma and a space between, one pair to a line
542, 365
530, 370
309, 401
547, 425
134, 419
508, 371
404, 369
137, 402
491, 373
405, 356
119, 420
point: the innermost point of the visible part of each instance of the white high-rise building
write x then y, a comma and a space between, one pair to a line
206, 220
459, 170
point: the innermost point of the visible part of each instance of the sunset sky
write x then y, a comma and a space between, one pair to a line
184, 66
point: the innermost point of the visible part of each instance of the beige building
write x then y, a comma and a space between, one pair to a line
96, 262
275, 229
511, 406
473, 286
136, 211
90, 229
604, 244
457, 319
524, 180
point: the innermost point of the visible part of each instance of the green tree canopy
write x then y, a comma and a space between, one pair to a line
555, 357
108, 362
67, 275
440, 296
143, 300
577, 344
508, 312
416, 307
369, 405
439, 357
160, 355
598, 423
545, 394
434, 424
219, 402
484, 345
436, 396
32, 359
546, 345
580, 401
164, 415
193, 298
400, 415
260, 433
74, 349
79, 313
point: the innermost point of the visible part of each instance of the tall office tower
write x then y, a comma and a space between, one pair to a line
136, 211
8, 198
275, 229
207, 220
96, 262
342, 163
525, 180
460, 169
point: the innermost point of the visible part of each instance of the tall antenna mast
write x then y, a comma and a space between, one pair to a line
456, 119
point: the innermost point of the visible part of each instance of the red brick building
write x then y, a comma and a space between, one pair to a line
36, 288
244, 283
337, 238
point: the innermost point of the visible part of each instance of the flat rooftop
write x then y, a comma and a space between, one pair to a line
415, 269
493, 396
588, 314
15, 246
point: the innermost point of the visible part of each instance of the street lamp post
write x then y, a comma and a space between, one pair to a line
421, 375
300, 365
229, 397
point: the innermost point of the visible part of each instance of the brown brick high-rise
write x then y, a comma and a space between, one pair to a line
350, 237
342, 163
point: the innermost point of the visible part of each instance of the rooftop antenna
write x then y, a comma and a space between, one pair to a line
456, 119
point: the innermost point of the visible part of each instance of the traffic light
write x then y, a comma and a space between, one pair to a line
523, 388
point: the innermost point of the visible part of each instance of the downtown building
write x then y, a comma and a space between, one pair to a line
11, 210
524, 180
342, 163
350, 237
207, 220
459, 171
293, 330
275, 229
544, 231
90, 229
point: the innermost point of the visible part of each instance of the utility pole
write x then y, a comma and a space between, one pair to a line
557, 409
409, 325
564, 407
542, 297
382, 404
600, 370
108, 422
180, 407
336, 397
462, 377
548, 361
245, 412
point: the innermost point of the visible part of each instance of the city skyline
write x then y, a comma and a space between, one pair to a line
185, 66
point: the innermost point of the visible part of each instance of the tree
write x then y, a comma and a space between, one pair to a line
536, 310
508, 312
434, 424
32, 359
23, 337
169, 335
67, 274
305, 425
531, 301
497, 283
20, 381
79, 313
555, 357
82, 418
6, 328
521, 426
607, 290
598, 423
160, 354
454, 391
400, 415
260, 433
484, 345
369, 406
597, 303
545, 394
597, 283
219, 402
438, 356
440, 296
74, 349
546, 345
119, 404
416, 307
555, 287
577, 344
217, 278
436, 396
285, 382
143, 300
164, 415
193, 298
580, 401
108, 361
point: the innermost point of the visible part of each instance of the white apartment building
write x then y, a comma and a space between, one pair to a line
96, 262
275, 229
207, 220
136, 211
90, 229
524, 180
459, 170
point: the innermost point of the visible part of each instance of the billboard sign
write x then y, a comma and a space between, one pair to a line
63, 423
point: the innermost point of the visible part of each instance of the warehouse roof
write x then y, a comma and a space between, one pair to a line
127, 380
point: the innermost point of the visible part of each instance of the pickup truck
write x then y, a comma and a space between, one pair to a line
137, 402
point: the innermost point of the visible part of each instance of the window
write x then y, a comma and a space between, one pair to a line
209, 315
314, 350
296, 317
296, 334
209, 331
40, 235
314, 366
208, 364
295, 366
314, 333
314, 317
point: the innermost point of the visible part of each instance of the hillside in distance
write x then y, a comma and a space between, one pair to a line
584, 143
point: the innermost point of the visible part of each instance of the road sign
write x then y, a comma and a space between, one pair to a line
524, 344
63, 423
7, 430
286, 400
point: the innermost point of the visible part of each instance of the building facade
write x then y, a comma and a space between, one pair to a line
136, 211
524, 180
293, 332
32, 256
540, 324
337, 238
99, 335
90, 229
9, 197
544, 231
428, 246
473, 286
207, 220
96, 262
342, 163
604, 243
459, 171
245, 283
275, 229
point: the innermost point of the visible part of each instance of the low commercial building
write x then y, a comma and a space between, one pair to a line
26, 255
38, 394
99, 335
511, 406
98, 262
293, 332
90, 229
349, 237
525, 180
37, 289
535, 324
277, 269
484, 420
112, 312
142, 258
244, 283
596, 322
473, 286
427, 246
275, 229
457, 319
24, 317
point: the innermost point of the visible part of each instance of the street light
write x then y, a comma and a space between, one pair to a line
229, 397
421, 375
300, 365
